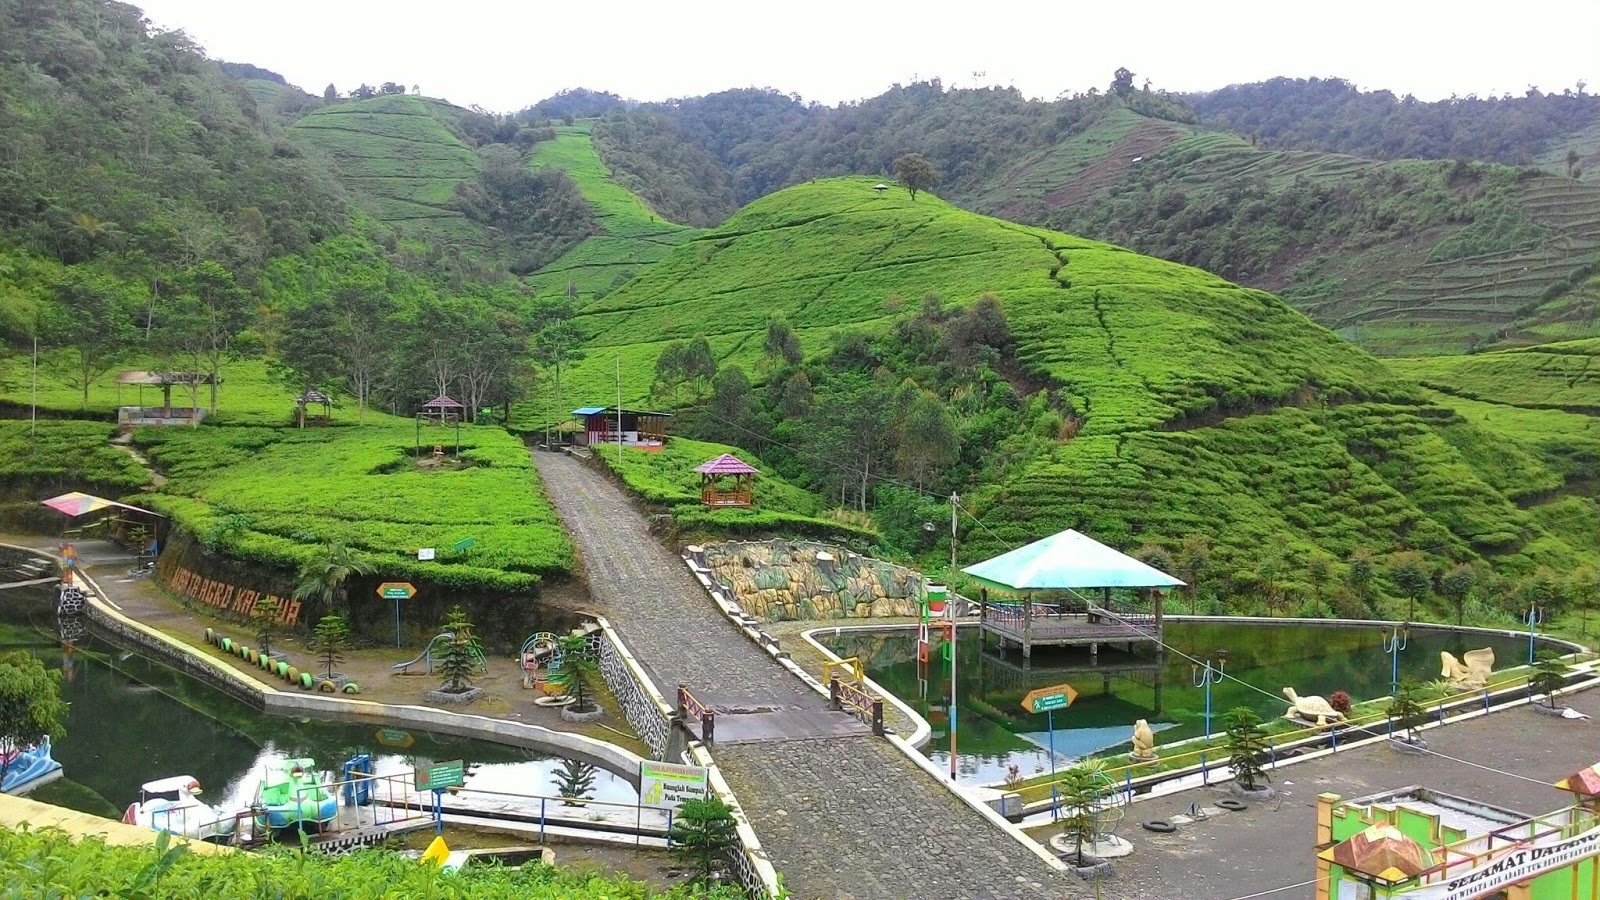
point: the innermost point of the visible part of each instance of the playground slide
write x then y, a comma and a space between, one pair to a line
426, 655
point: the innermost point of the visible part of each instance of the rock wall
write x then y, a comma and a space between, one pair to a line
783, 580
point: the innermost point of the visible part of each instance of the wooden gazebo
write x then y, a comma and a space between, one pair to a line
442, 409
742, 473
312, 395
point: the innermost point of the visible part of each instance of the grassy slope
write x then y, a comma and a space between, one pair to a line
293, 489
1389, 297
399, 161
1183, 430
666, 477
632, 235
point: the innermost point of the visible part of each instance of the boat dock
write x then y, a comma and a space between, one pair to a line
1030, 623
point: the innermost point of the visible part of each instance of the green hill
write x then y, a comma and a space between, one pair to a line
400, 160
1137, 399
630, 235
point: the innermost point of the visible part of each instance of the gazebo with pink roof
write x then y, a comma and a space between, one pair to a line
744, 478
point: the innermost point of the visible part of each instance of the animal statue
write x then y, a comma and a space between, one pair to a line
1144, 741
1471, 671
1312, 709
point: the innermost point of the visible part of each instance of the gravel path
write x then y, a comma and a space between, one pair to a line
840, 817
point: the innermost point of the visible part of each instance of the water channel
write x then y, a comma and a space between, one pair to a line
132, 720
994, 732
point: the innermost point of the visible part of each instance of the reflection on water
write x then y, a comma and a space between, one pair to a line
132, 721
1119, 688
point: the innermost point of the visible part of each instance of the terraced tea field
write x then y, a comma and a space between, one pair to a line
631, 235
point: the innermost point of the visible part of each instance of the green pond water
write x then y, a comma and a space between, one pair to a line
132, 720
994, 732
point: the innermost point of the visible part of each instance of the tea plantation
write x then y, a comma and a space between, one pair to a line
1195, 406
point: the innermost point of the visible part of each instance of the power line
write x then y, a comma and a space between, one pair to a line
1276, 890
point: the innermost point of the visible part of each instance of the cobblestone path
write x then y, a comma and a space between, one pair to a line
840, 817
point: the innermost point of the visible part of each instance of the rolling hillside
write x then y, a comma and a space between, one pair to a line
630, 235
399, 160
1162, 424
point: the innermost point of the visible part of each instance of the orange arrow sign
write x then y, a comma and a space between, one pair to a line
1049, 698
397, 590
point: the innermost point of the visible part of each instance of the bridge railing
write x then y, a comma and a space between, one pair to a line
690, 706
859, 700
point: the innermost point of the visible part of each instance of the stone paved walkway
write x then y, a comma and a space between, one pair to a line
841, 817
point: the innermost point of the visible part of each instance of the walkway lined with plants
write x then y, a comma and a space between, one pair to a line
840, 816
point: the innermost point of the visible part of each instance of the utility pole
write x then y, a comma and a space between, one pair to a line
33, 415
950, 608
619, 412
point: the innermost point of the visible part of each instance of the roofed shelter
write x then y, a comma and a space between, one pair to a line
598, 425
1068, 561
442, 410
124, 521
727, 465
312, 396
166, 413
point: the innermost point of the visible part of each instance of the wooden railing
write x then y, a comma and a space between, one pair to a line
690, 706
714, 497
842, 694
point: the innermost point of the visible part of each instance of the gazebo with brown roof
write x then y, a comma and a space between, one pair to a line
744, 477
312, 395
442, 410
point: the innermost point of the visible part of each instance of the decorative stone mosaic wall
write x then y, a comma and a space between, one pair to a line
783, 580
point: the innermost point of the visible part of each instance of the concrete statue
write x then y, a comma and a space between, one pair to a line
1311, 709
1144, 742
1471, 671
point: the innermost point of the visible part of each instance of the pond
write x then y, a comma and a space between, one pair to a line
994, 732
132, 720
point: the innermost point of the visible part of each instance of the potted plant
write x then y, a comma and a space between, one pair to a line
461, 653
1247, 744
1406, 713
331, 638
581, 671
1081, 798
1549, 676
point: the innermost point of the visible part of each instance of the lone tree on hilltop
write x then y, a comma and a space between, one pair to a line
1122, 82
916, 173
330, 92
31, 708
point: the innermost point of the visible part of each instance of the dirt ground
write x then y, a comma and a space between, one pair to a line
1507, 759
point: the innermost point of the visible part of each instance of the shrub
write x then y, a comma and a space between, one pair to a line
332, 636
1247, 743
704, 832
1405, 710
1340, 701
1549, 675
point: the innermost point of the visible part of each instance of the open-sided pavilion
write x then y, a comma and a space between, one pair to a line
1088, 570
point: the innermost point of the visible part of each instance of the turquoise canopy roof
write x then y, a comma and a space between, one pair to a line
1068, 560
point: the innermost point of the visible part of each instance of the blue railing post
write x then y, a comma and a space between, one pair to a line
669, 828
1055, 809
1334, 733
541, 819
1272, 753
1205, 773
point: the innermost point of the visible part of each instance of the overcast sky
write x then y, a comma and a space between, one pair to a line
507, 55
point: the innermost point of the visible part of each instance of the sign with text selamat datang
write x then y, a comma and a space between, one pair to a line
1504, 867
668, 785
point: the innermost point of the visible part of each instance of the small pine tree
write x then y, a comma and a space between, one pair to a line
1549, 675
1406, 712
580, 669
265, 614
1080, 792
704, 832
332, 636
1247, 742
459, 653
574, 781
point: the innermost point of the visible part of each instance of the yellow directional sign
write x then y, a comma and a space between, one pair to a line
1049, 698
397, 590
395, 737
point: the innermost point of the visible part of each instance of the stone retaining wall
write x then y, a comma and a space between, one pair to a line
644, 708
781, 580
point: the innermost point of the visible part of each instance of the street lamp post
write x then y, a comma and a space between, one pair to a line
1206, 677
1395, 640
1535, 618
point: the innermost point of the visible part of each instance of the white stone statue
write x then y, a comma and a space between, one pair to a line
1471, 671
1144, 742
1311, 709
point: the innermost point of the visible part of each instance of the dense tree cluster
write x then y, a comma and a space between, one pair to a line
680, 180
1333, 115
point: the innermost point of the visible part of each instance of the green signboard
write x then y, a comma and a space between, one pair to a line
1049, 698
462, 545
397, 590
395, 737
442, 775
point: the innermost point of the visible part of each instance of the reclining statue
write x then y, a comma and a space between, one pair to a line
1311, 709
1471, 671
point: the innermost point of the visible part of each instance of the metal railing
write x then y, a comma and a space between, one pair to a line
859, 700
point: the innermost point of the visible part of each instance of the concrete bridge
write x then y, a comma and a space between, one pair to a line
842, 813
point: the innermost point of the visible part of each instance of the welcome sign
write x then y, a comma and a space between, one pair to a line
1510, 866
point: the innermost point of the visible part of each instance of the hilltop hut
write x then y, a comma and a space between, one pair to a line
166, 413
740, 493
442, 410
301, 413
598, 425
